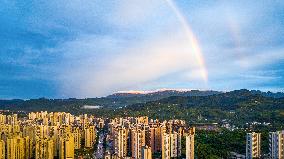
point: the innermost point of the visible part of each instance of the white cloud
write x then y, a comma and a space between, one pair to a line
131, 66
132, 13
95, 47
97, 65
261, 58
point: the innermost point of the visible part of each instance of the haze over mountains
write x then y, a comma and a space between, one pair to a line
162, 93
119, 100
184, 92
237, 107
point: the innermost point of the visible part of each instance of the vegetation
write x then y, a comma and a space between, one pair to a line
112, 101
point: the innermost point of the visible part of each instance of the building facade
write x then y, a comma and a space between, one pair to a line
190, 143
120, 142
276, 144
2, 149
90, 136
137, 142
253, 141
66, 147
146, 152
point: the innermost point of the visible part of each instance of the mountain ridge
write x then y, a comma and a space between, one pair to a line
120, 100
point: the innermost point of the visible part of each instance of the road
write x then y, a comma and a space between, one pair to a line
99, 154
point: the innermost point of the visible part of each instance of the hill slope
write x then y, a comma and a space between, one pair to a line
112, 101
237, 107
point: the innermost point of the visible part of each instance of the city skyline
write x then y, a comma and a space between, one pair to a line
94, 48
64, 135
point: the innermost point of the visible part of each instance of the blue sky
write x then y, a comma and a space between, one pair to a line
89, 48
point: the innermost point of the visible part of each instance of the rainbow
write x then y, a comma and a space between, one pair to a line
192, 40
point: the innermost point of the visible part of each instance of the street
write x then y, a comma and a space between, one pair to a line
99, 154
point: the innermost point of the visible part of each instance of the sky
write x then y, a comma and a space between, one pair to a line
92, 48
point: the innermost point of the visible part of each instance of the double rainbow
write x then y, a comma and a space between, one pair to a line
196, 49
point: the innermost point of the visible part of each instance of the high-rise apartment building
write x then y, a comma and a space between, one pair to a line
120, 142
2, 119
28, 143
276, 144
90, 136
190, 143
41, 131
54, 134
166, 146
154, 137
66, 146
16, 148
77, 137
2, 149
253, 145
171, 145
137, 141
142, 120
175, 144
44, 148
12, 119
57, 134
146, 152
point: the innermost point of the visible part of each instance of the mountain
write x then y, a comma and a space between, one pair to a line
155, 95
112, 101
228, 100
239, 106
269, 94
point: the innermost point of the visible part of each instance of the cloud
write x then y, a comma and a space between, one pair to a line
133, 65
261, 58
92, 48
139, 55
129, 14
